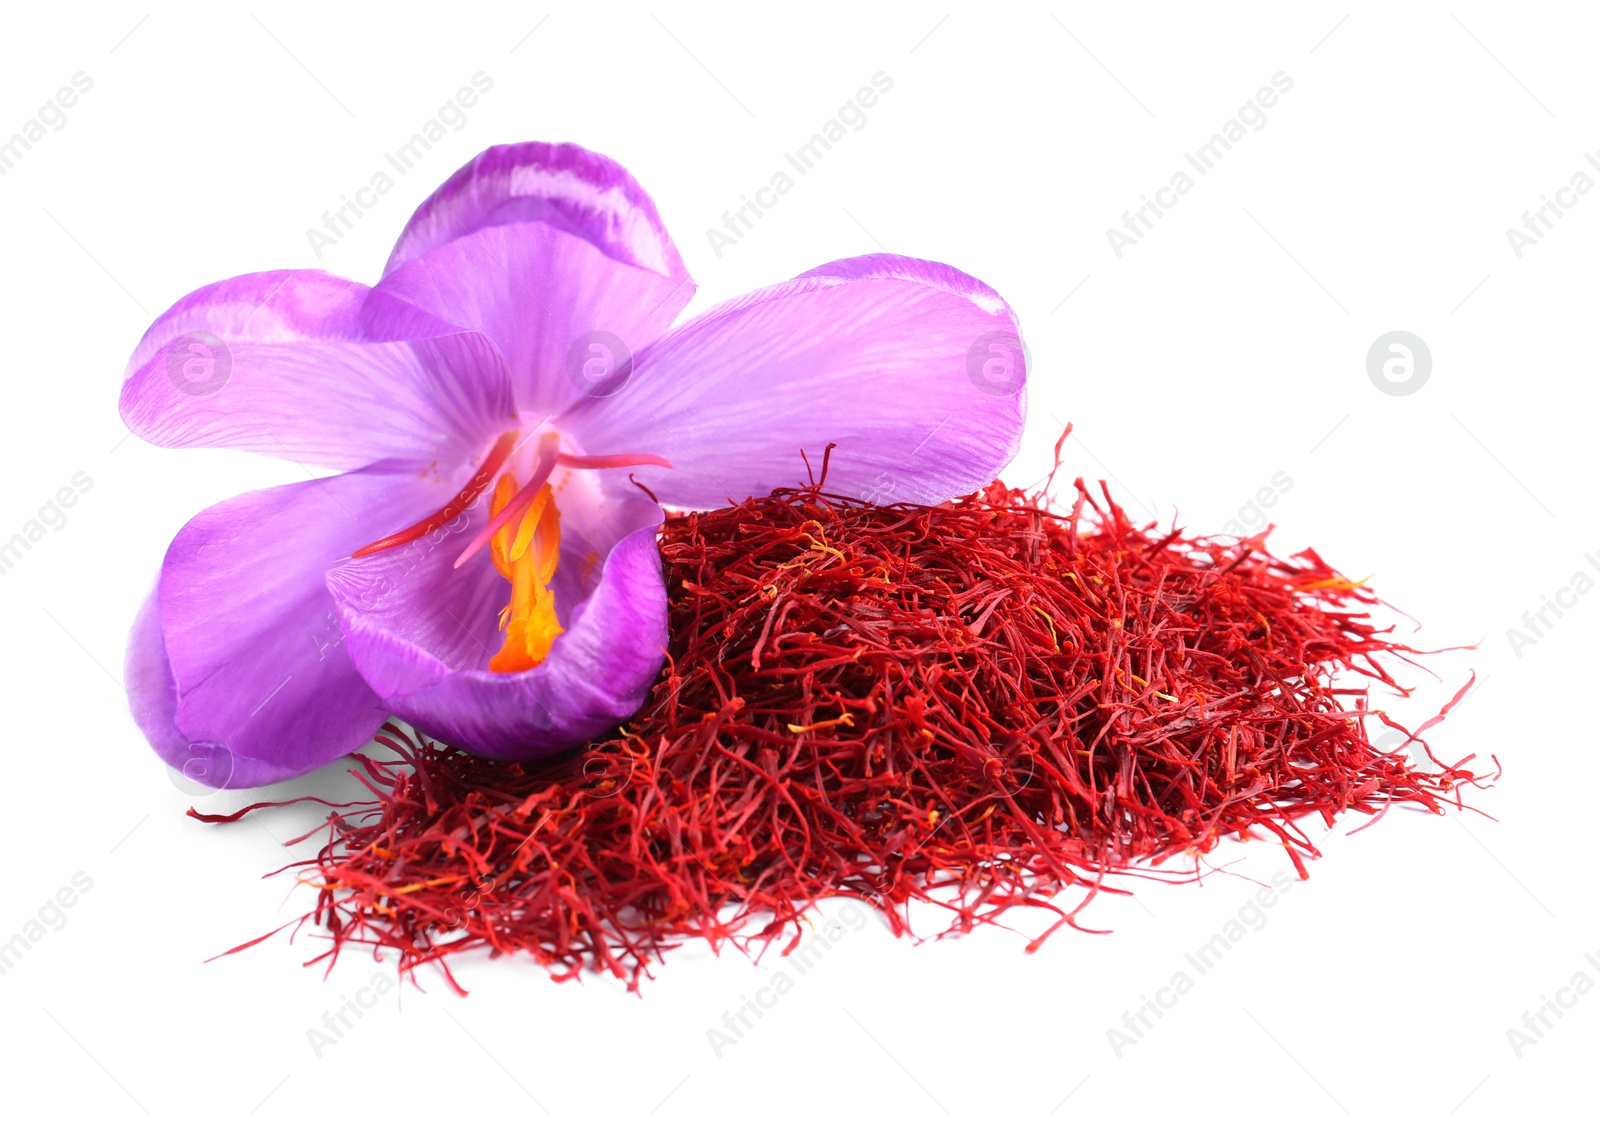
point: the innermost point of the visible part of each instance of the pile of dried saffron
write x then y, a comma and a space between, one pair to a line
981, 705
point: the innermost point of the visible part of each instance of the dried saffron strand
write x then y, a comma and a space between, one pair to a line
979, 705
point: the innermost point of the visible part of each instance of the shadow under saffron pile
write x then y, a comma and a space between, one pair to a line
981, 705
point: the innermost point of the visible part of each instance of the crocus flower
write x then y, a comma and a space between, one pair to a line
481, 566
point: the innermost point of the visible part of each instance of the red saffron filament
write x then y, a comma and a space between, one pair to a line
980, 706
458, 505
610, 461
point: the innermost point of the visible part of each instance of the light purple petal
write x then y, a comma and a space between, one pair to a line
554, 305
557, 255
422, 633
153, 695
566, 186
237, 660
916, 370
306, 366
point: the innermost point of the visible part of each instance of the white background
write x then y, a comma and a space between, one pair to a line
1227, 346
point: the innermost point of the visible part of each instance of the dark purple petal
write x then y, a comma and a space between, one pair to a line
306, 366
422, 632
236, 658
915, 369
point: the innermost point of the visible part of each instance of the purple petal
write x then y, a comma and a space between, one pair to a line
236, 660
565, 186
422, 632
303, 365
916, 370
557, 255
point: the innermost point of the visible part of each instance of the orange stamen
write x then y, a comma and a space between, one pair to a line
528, 559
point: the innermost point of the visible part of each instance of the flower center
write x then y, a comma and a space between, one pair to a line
523, 535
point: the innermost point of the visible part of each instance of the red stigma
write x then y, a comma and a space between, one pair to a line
457, 505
